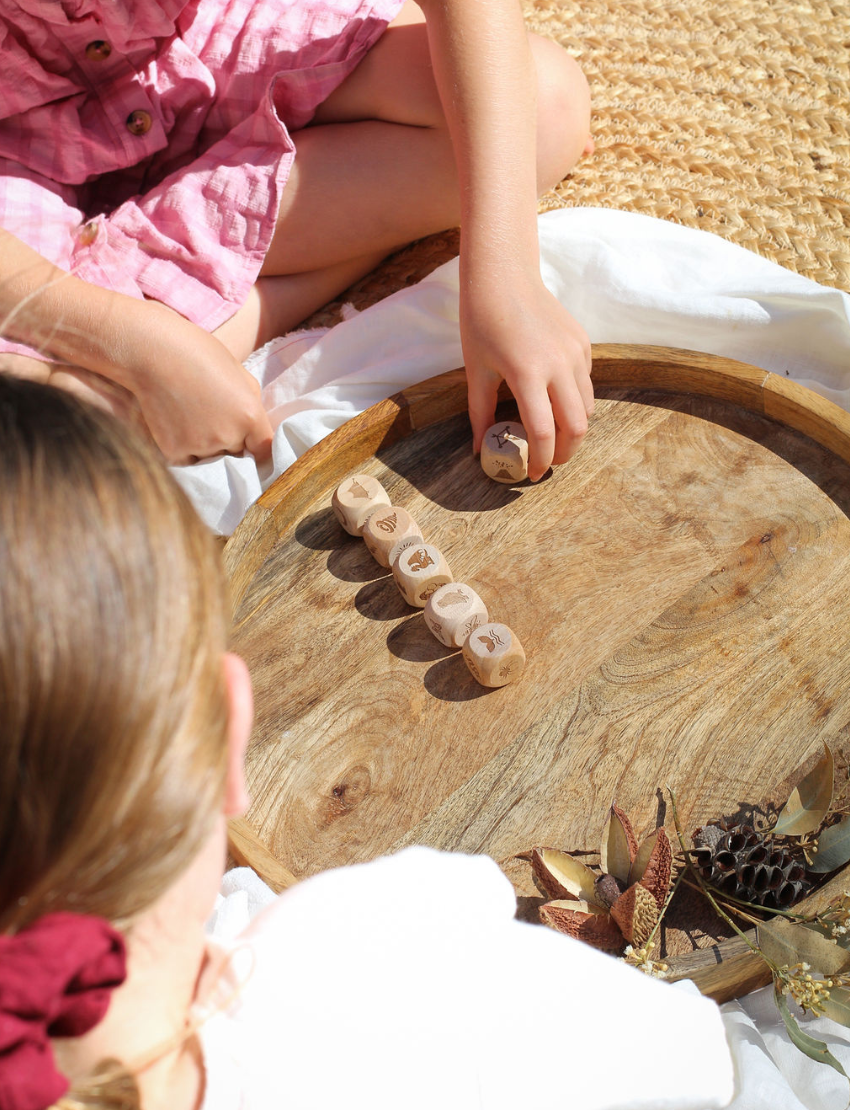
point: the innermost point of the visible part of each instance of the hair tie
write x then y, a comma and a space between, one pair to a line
56, 978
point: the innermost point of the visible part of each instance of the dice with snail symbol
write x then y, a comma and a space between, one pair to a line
355, 498
418, 571
383, 529
504, 452
494, 655
453, 611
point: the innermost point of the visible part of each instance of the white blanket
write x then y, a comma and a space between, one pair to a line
626, 278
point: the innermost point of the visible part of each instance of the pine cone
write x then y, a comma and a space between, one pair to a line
739, 862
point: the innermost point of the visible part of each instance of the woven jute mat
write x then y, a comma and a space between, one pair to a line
732, 116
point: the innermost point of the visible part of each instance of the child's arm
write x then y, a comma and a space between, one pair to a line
196, 399
511, 326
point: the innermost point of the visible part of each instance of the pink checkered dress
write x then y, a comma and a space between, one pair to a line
144, 145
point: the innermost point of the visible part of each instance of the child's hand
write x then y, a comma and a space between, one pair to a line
521, 333
196, 398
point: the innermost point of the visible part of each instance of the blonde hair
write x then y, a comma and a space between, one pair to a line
113, 623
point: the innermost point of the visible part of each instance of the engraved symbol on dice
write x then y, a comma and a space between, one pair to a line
503, 473
419, 561
358, 491
507, 670
491, 641
504, 437
437, 630
453, 597
473, 623
473, 666
387, 523
430, 589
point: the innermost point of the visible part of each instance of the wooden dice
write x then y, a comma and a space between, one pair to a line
418, 571
355, 499
454, 611
504, 452
402, 545
383, 529
494, 655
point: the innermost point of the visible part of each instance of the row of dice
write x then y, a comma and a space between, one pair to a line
454, 612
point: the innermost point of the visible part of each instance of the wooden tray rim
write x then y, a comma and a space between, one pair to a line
723, 971
615, 366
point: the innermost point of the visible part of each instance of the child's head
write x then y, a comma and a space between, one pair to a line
113, 625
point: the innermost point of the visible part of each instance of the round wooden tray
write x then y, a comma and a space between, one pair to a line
680, 588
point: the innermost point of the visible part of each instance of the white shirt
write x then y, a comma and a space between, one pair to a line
407, 983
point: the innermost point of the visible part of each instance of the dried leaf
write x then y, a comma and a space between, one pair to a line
652, 866
837, 1006
562, 876
619, 845
814, 1049
809, 801
636, 912
786, 944
833, 849
589, 923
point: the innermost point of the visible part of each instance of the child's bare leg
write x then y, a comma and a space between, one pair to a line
375, 170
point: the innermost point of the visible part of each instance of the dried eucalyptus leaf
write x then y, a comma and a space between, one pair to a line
619, 845
837, 1006
809, 1046
562, 876
833, 848
786, 943
809, 801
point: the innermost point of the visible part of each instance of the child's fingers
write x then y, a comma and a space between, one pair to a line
535, 411
572, 402
482, 394
259, 440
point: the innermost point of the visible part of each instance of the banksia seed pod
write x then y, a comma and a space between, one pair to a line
594, 928
636, 912
739, 862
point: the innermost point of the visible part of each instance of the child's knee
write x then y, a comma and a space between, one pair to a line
563, 111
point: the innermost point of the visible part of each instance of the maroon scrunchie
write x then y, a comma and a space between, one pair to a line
56, 977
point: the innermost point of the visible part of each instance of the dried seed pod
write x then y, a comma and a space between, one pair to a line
739, 862
636, 912
594, 928
706, 836
608, 889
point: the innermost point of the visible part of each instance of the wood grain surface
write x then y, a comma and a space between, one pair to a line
679, 588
